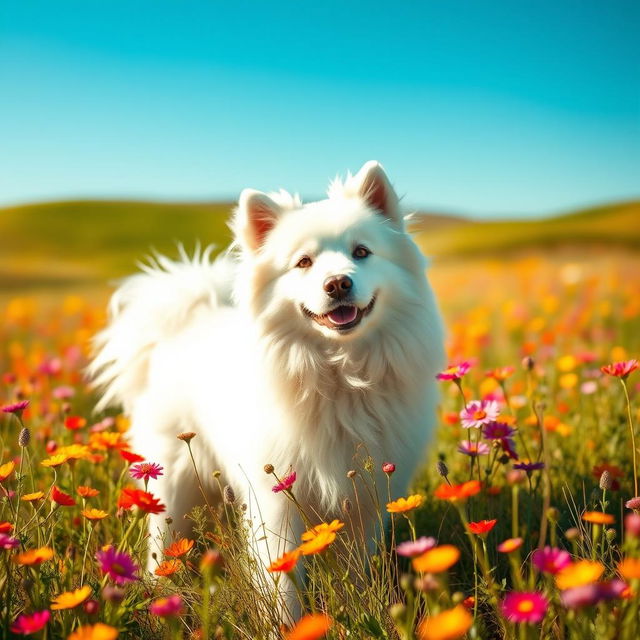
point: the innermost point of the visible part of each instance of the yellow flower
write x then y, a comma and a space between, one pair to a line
317, 544
597, 517
568, 380
94, 514
71, 599
74, 451
437, 559
405, 504
6, 470
34, 556
333, 526
97, 631
55, 461
579, 574
448, 625
629, 568
32, 497
567, 363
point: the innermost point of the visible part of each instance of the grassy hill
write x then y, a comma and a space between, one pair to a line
71, 243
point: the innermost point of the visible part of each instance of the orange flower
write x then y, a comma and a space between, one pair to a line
55, 461
62, 498
333, 526
510, 545
71, 599
98, 631
102, 440
448, 625
458, 492
311, 627
6, 470
179, 548
578, 574
5, 527
401, 505
32, 497
94, 514
168, 567
87, 492
75, 451
317, 544
437, 560
597, 517
629, 568
34, 556
285, 563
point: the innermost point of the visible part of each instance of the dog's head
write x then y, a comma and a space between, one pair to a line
336, 267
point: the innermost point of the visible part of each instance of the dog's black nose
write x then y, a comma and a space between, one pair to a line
338, 287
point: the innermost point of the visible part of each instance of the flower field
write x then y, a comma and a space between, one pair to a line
524, 523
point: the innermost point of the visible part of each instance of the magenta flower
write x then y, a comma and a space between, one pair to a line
117, 565
8, 542
620, 369
412, 548
497, 430
27, 624
454, 371
550, 560
473, 449
16, 408
588, 595
509, 447
478, 413
167, 607
285, 484
146, 470
527, 607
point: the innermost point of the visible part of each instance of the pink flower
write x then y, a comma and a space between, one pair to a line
146, 470
620, 369
117, 565
63, 392
285, 484
388, 467
527, 607
633, 503
550, 560
27, 624
454, 371
166, 607
412, 548
632, 525
8, 542
588, 595
16, 408
477, 413
473, 449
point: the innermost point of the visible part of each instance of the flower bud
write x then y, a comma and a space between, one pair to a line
25, 437
351, 473
268, 468
572, 534
442, 468
228, 495
388, 468
606, 481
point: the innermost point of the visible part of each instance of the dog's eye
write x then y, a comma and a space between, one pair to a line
304, 262
361, 252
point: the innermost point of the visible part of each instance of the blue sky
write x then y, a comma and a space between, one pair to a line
485, 108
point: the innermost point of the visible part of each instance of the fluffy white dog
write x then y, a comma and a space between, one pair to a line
316, 334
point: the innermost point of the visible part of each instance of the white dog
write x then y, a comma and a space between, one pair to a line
317, 333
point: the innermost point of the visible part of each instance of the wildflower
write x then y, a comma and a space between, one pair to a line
168, 567
285, 563
62, 498
528, 607
112, 594
73, 423
588, 595
24, 437
597, 517
606, 481
187, 436
167, 607
33, 557
130, 457
478, 413
317, 544
501, 373
228, 494
310, 627
629, 568
179, 548
497, 430
454, 371
633, 503
118, 565
482, 527
27, 624
285, 484
402, 505
145, 501
447, 625
63, 393
632, 524
550, 560
146, 470
32, 497
528, 466
412, 548
94, 514
55, 461
473, 449
75, 451
458, 492
211, 559
71, 599
578, 573
388, 468
442, 469
8, 542
5, 527
16, 408
98, 631
105, 440
87, 492
510, 545
6, 470
620, 369
334, 526
436, 560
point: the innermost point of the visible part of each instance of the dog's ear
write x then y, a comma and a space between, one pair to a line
373, 186
256, 215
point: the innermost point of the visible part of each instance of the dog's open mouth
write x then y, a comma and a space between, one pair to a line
342, 318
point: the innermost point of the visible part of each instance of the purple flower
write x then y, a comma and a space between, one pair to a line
117, 565
529, 466
412, 548
509, 447
524, 607
588, 595
146, 470
473, 449
478, 413
8, 542
285, 484
550, 560
497, 430
16, 408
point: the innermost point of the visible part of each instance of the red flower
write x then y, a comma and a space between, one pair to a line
620, 369
458, 491
5, 527
130, 497
62, 498
131, 457
482, 527
73, 423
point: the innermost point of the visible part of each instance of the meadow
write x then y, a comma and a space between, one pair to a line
524, 523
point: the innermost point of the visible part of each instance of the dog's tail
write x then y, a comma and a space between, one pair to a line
148, 307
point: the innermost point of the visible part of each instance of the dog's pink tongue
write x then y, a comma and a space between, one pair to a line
343, 315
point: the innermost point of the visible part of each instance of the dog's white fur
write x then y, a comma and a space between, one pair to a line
225, 349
